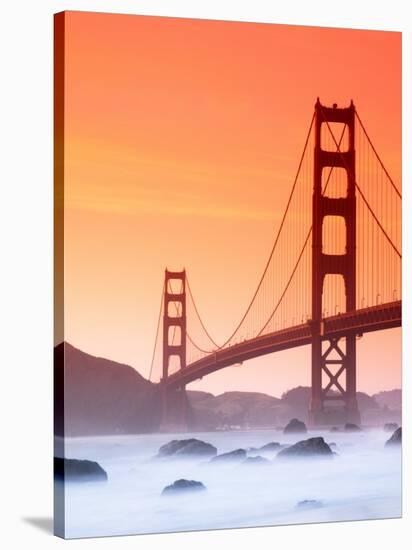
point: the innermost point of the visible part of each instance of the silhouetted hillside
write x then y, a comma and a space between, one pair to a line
235, 409
105, 397
391, 399
246, 409
299, 400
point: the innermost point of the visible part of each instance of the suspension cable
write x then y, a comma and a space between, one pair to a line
358, 188
207, 351
289, 280
287, 284
198, 316
377, 156
378, 222
157, 332
276, 240
301, 252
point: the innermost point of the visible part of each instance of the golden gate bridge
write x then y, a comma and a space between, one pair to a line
332, 275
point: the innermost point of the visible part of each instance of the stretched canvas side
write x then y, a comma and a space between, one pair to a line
58, 378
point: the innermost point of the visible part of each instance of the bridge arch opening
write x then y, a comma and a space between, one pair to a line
333, 295
334, 182
174, 336
175, 286
174, 309
334, 235
340, 133
175, 364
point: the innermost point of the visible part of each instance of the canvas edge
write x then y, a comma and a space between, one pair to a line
59, 23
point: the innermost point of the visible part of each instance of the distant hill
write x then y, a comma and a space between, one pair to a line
235, 409
299, 400
391, 399
198, 396
106, 397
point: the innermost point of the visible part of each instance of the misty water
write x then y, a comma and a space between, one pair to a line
363, 481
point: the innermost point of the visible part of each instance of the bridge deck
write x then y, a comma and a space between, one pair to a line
361, 321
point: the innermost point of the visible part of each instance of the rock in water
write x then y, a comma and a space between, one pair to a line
395, 439
295, 426
71, 469
309, 448
252, 460
269, 447
352, 428
186, 448
309, 504
183, 486
390, 427
232, 456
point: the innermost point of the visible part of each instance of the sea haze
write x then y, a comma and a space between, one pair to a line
363, 481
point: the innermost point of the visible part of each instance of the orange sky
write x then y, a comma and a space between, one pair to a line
182, 140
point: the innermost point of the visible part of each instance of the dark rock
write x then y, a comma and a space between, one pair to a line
295, 426
269, 447
252, 460
352, 428
390, 427
334, 429
183, 486
232, 456
71, 469
309, 504
312, 447
186, 448
395, 439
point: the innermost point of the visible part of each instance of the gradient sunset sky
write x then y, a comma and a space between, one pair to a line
182, 139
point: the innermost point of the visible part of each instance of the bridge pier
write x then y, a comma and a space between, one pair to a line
333, 400
176, 411
325, 416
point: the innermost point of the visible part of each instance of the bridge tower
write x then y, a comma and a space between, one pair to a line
175, 404
333, 359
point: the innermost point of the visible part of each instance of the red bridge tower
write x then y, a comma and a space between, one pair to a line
175, 406
333, 359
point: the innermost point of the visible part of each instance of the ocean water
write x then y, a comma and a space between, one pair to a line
363, 481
